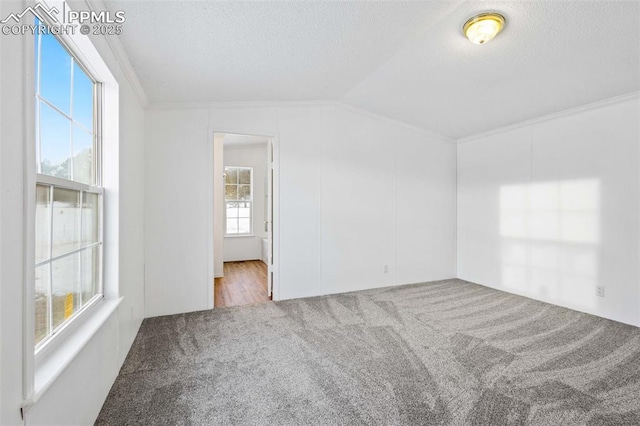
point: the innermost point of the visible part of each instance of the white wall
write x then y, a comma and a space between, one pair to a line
346, 180
176, 211
11, 223
77, 395
382, 188
550, 210
132, 208
255, 156
299, 155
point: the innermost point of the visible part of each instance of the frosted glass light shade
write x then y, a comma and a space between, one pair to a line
484, 27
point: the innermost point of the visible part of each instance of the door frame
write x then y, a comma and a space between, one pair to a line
275, 204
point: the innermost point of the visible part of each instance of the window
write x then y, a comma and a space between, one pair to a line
68, 213
238, 192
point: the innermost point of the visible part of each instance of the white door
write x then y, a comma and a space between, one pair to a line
269, 218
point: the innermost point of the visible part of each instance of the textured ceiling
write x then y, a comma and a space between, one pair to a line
551, 56
404, 60
263, 51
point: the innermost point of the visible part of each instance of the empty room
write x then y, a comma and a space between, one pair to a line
319, 212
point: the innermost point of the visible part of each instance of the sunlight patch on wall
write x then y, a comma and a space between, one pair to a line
550, 237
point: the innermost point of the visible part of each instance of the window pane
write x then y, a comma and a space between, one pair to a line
244, 226
244, 192
43, 222
90, 268
232, 226
82, 98
55, 142
231, 192
42, 303
65, 286
244, 176
232, 210
66, 221
82, 155
231, 175
244, 210
55, 73
89, 218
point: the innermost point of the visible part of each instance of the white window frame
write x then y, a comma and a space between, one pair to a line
54, 182
250, 201
41, 370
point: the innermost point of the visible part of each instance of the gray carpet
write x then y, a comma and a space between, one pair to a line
441, 353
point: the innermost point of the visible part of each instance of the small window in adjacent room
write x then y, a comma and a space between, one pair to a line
238, 192
68, 212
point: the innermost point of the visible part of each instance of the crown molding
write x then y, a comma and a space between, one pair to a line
556, 115
367, 113
161, 106
118, 50
166, 106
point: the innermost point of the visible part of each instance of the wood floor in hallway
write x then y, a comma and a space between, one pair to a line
243, 283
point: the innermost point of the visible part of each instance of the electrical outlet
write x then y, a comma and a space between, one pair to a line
386, 269
600, 291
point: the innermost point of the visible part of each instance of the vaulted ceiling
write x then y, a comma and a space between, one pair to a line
405, 60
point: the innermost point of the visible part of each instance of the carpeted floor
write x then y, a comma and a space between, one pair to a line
441, 353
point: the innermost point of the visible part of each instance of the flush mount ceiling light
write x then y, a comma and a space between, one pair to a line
484, 27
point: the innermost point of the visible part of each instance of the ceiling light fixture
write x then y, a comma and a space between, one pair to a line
483, 27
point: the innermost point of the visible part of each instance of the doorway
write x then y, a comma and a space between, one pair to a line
243, 219
244, 283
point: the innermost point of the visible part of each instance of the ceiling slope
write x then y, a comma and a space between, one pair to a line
196, 51
551, 56
407, 60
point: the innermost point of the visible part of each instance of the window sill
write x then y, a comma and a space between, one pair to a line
55, 362
240, 236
